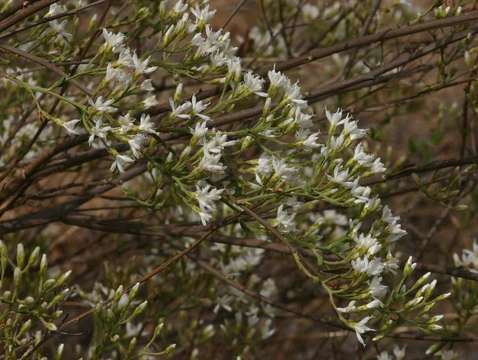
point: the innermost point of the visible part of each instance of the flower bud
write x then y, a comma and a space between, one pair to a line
3, 257
409, 267
139, 309
17, 276
123, 302
61, 280
134, 291
25, 327
20, 255
32, 260
59, 351
43, 265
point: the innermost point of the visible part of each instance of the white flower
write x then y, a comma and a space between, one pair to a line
181, 111
150, 101
102, 106
361, 193
351, 129
202, 15
372, 267
349, 308
55, 9
311, 141
70, 126
146, 125
234, 67
307, 139
277, 79
141, 66
136, 144
361, 156
391, 263
361, 328
285, 220
200, 130
98, 130
211, 161
114, 41
263, 168
126, 123
369, 243
292, 92
374, 304
59, 28
206, 196
266, 329
212, 152
197, 107
377, 166
269, 288
302, 119
336, 142
376, 288
147, 85
247, 259
180, 7
120, 162
341, 176
310, 11
334, 217
224, 302
448, 355
125, 58
384, 356
117, 74
334, 119
399, 352
219, 142
133, 330
254, 83
283, 170
393, 225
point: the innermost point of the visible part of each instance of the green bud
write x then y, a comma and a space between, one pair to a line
409, 267
248, 140
20, 255
118, 293
7, 295
134, 291
3, 257
139, 309
110, 314
49, 284
57, 299
49, 325
17, 276
59, 351
170, 349
43, 265
132, 344
123, 302
61, 280
32, 260
433, 349
25, 327
442, 297
178, 93
158, 329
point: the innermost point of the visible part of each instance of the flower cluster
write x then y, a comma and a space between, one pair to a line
213, 152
